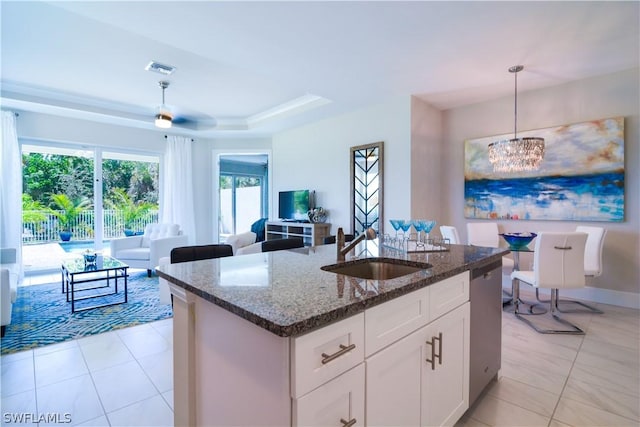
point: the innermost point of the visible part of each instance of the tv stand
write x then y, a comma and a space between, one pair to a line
312, 234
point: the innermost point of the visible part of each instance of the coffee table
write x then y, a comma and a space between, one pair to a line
76, 271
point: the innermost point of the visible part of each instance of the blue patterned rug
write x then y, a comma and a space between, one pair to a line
42, 316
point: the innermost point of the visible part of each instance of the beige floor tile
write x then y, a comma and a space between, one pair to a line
624, 383
145, 342
605, 334
17, 409
122, 385
105, 352
556, 423
76, 397
610, 357
534, 359
497, 412
59, 365
603, 398
575, 413
168, 397
467, 421
538, 378
8, 358
159, 367
525, 396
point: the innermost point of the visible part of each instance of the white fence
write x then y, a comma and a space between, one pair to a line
48, 230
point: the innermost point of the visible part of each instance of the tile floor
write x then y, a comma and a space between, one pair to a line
123, 378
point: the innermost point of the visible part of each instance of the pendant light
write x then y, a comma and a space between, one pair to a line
516, 154
163, 118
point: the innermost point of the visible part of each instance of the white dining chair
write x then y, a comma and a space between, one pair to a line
486, 234
592, 266
558, 264
450, 233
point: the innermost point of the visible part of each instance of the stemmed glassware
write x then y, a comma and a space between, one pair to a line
395, 223
427, 226
419, 226
405, 226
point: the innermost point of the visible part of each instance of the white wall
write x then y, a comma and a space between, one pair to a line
595, 98
316, 157
426, 165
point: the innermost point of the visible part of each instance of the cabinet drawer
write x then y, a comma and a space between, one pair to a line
448, 294
336, 403
388, 322
321, 355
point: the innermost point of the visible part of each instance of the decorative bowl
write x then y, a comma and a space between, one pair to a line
518, 240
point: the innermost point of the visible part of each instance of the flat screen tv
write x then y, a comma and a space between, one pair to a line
293, 205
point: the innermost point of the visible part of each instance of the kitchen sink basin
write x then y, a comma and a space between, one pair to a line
374, 269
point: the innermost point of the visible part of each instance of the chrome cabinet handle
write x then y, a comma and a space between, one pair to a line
349, 423
326, 358
435, 356
563, 248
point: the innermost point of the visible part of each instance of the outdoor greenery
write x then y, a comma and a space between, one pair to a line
61, 187
132, 211
68, 210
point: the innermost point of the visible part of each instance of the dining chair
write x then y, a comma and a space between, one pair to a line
558, 264
281, 244
592, 265
451, 233
486, 234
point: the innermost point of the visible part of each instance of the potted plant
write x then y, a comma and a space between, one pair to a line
71, 210
132, 211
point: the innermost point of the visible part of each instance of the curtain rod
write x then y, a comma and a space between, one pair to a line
166, 136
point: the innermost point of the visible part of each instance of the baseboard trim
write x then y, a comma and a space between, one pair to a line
596, 295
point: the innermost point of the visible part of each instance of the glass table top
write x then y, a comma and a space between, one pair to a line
102, 263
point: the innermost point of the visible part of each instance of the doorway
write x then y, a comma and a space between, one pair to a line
242, 191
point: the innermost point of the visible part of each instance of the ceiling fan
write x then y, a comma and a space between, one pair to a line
167, 117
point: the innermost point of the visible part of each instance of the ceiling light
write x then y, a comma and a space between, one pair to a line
516, 154
157, 67
163, 118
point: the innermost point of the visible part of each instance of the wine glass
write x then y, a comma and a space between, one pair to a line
405, 226
427, 226
395, 223
419, 226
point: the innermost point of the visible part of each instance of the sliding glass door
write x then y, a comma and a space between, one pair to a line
77, 199
242, 194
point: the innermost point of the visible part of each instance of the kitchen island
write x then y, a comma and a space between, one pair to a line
273, 339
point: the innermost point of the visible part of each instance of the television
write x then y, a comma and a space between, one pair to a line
294, 205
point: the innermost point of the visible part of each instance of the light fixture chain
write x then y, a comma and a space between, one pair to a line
515, 115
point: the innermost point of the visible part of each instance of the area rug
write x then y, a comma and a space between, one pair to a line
42, 316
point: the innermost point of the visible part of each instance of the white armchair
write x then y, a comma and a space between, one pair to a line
145, 251
8, 285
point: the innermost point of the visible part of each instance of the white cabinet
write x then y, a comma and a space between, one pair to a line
339, 403
394, 383
423, 379
446, 378
311, 234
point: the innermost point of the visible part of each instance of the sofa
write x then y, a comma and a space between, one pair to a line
8, 285
145, 251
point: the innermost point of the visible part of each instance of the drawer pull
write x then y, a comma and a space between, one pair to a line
349, 423
326, 358
435, 356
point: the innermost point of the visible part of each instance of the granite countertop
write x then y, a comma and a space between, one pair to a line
287, 293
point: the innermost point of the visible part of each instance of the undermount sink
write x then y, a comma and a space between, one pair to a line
375, 269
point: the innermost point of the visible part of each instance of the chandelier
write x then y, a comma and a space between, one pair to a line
516, 154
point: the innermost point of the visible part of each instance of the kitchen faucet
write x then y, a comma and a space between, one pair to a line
369, 234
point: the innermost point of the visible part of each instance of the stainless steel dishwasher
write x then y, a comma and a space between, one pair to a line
485, 294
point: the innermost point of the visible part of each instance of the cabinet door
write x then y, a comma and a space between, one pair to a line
446, 380
394, 382
339, 403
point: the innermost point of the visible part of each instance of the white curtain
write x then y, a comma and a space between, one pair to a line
177, 186
10, 187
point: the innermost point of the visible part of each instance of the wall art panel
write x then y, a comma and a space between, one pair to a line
581, 177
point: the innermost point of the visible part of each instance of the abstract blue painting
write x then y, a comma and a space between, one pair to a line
581, 177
